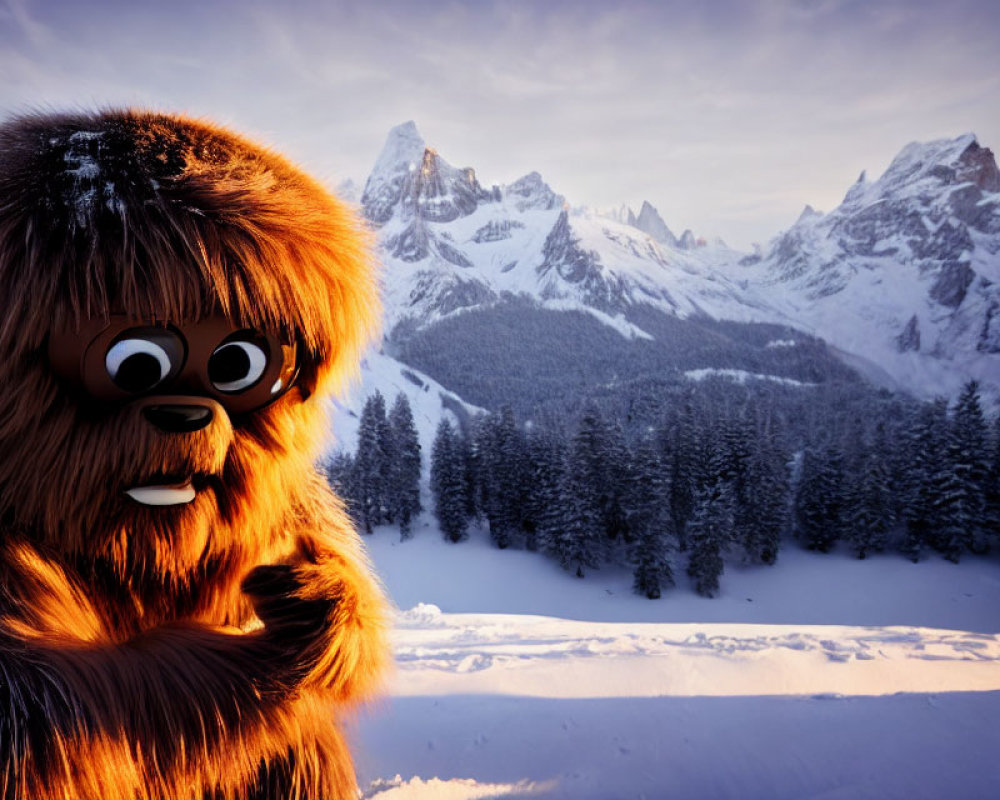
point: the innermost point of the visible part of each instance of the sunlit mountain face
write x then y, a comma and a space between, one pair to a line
901, 280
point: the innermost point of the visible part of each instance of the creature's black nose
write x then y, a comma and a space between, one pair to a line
178, 418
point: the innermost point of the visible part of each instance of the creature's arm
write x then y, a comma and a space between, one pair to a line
331, 567
167, 702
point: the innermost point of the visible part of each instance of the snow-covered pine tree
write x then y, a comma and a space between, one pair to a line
546, 460
960, 480
972, 459
502, 473
589, 455
898, 422
448, 482
341, 475
469, 445
614, 485
709, 530
735, 439
926, 443
483, 456
992, 498
819, 500
951, 511
869, 507
738, 443
578, 541
682, 434
404, 483
648, 512
762, 511
372, 463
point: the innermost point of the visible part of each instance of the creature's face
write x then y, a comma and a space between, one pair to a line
162, 448
182, 378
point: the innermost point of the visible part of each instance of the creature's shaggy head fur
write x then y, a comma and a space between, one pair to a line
165, 218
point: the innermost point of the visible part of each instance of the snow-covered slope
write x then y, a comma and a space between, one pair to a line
823, 676
429, 401
906, 271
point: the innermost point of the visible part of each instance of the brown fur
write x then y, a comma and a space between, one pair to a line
126, 665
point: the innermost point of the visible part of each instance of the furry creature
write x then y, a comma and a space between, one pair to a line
185, 608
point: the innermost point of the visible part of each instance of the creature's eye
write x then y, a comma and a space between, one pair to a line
142, 358
238, 363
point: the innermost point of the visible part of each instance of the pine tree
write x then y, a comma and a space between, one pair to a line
448, 483
502, 475
614, 481
648, 513
960, 480
545, 461
992, 495
759, 483
972, 459
482, 454
579, 538
708, 531
761, 516
819, 500
682, 434
372, 463
926, 443
952, 511
404, 483
470, 459
341, 474
869, 515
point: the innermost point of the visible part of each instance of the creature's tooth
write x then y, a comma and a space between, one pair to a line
162, 495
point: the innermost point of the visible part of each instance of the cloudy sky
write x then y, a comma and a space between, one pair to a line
728, 115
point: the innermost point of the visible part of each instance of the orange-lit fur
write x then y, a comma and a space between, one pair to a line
133, 664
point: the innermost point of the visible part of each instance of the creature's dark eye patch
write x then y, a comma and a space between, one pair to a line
238, 363
141, 359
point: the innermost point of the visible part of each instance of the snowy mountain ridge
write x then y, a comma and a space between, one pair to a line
449, 244
906, 271
903, 278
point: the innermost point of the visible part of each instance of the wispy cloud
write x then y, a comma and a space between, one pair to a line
706, 109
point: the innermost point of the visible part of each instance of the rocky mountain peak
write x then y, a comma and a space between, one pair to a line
977, 165
857, 190
402, 153
924, 167
649, 221
532, 192
913, 253
412, 181
808, 213
688, 241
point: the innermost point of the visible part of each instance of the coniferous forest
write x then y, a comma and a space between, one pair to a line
726, 475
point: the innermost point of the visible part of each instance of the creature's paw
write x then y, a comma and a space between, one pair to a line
296, 628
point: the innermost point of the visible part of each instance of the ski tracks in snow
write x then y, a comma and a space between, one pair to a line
534, 656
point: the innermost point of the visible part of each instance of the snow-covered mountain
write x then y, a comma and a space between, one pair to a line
449, 244
902, 279
906, 271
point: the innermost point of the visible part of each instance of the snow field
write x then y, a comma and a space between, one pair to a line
821, 677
